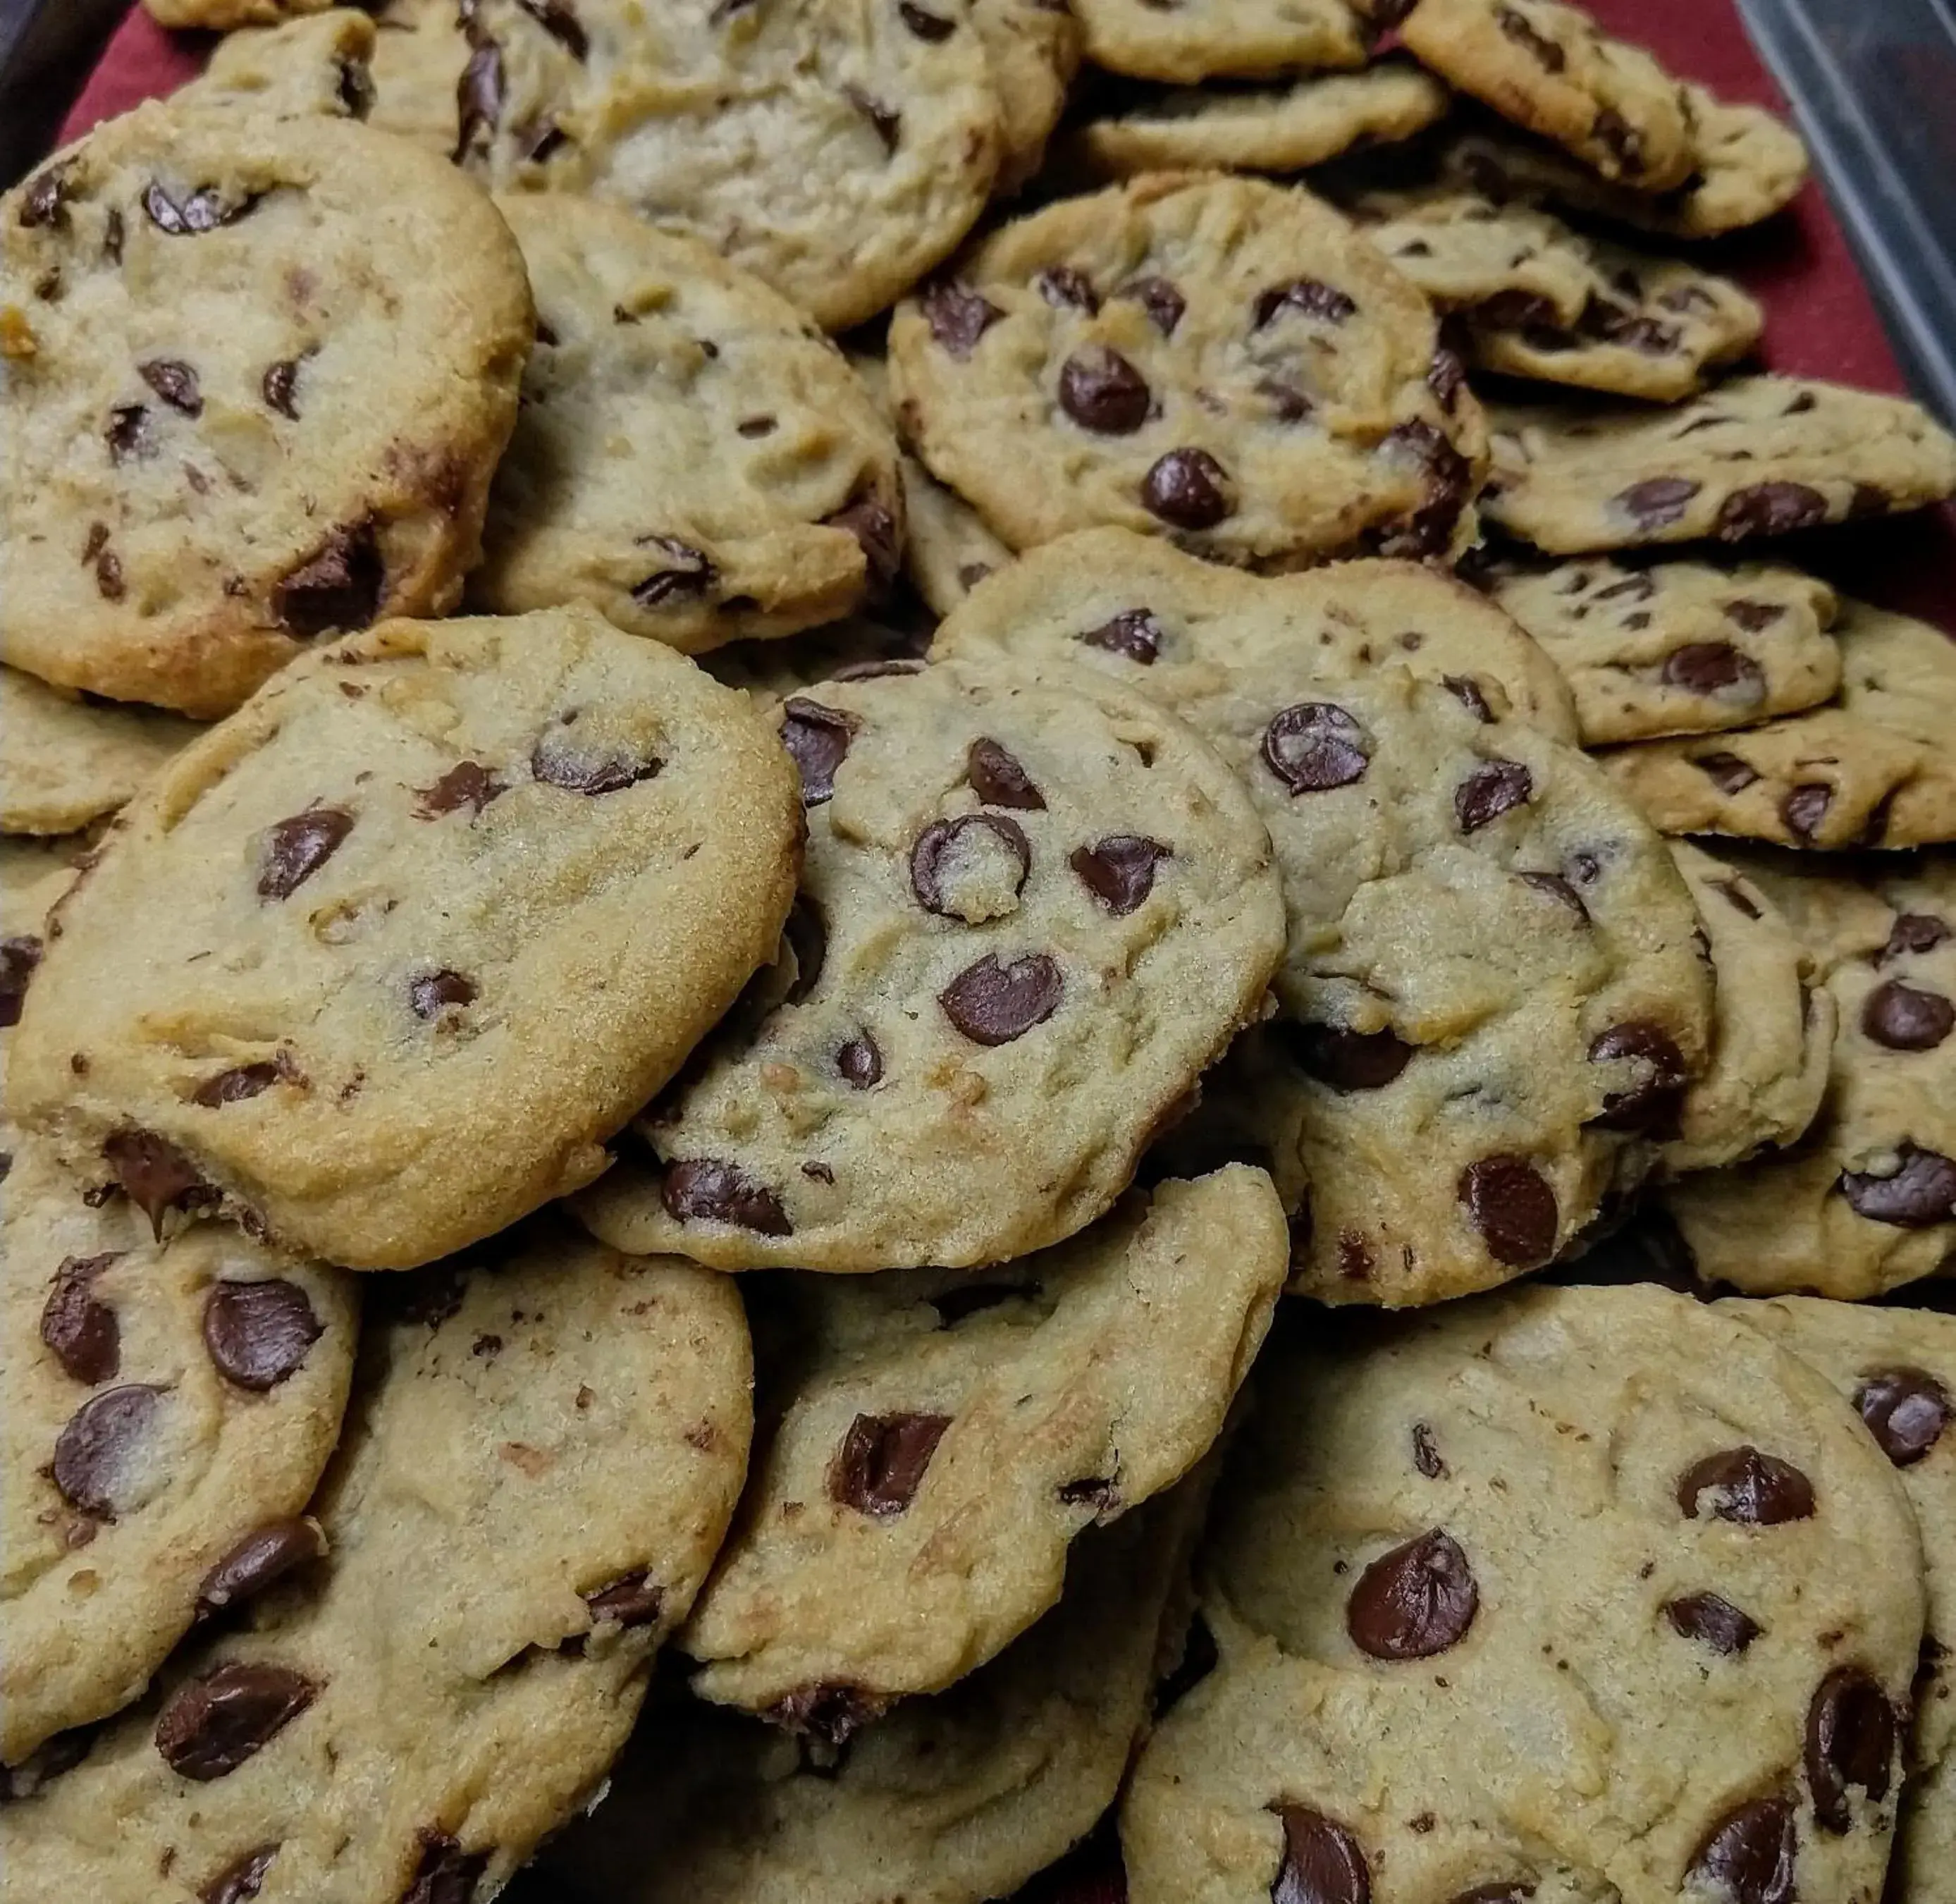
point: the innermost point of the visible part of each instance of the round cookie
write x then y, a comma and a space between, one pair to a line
1035, 908
692, 458
936, 1442
1867, 1202
1033, 47
1677, 647
1897, 1367
320, 63
1176, 629
1549, 67
1218, 360
1872, 769
1772, 1029
1205, 39
1759, 455
835, 149
241, 413
541, 1456
952, 1799
1570, 1594
65, 762
421, 927
166, 1411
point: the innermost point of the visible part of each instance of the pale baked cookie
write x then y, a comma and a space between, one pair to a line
65, 762
1747, 164
165, 1411
1536, 298
242, 412
1677, 647
951, 1799
1035, 908
35, 871
1218, 360
222, 15
1033, 47
1897, 1367
542, 1454
1772, 1030
837, 149
936, 1441
692, 458
1550, 68
420, 55
420, 928
1867, 1201
1570, 1594
1280, 127
318, 63
1759, 456
1178, 629
1875, 768
1204, 39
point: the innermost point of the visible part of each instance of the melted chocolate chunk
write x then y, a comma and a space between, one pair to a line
684, 574
1770, 509
45, 201
831, 1713
1495, 788
1446, 377
1061, 284
875, 528
942, 843
128, 433
1311, 296
293, 850
1429, 530
1542, 49
1657, 501
1133, 633
860, 1061
1906, 1410
93, 1452
446, 1874
1912, 932
1159, 298
1651, 1105
202, 210
881, 1463
212, 1724
18, 957
632, 1599
175, 382
559, 758
992, 1004
701, 1190
1906, 1018
1748, 1855
239, 1083
1713, 668
257, 1334
1851, 1735
1187, 489
997, 778
1512, 1206
81, 1333
1726, 772
1920, 1192
279, 387
242, 1879
1314, 746
1712, 1622
478, 98
429, 996
468, 783
265, 1555
958, 316
926, 25
1103, 392
557, 19
1322, 1861
155, 1175
1416, 1601
1467, 691
1119, 871
819, 738
1426, 1452
1804, 810
338, 587
1347, 1060
1745, 1487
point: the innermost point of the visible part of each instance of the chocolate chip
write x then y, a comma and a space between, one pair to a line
1517, 310
1347, 1060
1313, 746
1558, 889
103, 1439
259, 1333
957, 316
1906, 1410
1322, 1863
1711, 1621
1449, 479
930, 26
998, 780
830, 1712
558, 19
701, 1190
336, 589
202, 210
1912, 932
1624, 140
992, 1004
1543, 50
1311, 296
430, 995
1290, 403
1905, 1018
239, 1083
860, 1061
82, 1334
1495, 788
1061, 285
1416, 1601
1187, 488
478, 97
175, 382
108, 576
279, 387
446, 1874
293, 850
1726, 772
1467, 691
1747, 1488
819, 738
875, 529
560, 759
1446, 377
18, 957
684, 574
128, 433
947, 848
881, 1463
212, 1724
1512, 1205
1748, 1856
1770, 509
155, 1175
632, 1599
1712, 667
807, 935
1651, 1104
1133, 633
1159, 298
265, 1554
1920, 1191
1657, 501
242, 1879
756, 426
1804, 809
1103, 392
468, 783
1752, 616
1425, 1453
44, 202
1851, 1744
1119, 871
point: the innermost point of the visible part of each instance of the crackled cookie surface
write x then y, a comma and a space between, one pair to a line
1034, 908
65, 762
692, 458
1570, 1594
1218, 360
241, 413
544, 1453
422, 926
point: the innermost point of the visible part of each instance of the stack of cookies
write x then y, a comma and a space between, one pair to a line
754, 757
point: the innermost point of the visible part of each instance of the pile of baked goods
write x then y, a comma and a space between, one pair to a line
754, 756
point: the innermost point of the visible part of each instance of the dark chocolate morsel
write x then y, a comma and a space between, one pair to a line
562, 759
993, 1003
881, 1463
211, 1725
93, 1452
1417, 1600
265, 1554
946, 840
80, 1332
1905, 1017
446, 1874
684, 573
1919, 1193
998, 780
240, 1083
295, 849
632, 1599
429, 995
830, 1712
1347, 1060
818, 737
1119, 871
1748, 1856
1133, 633
1314, 746
1103, 392
957, 316
1495, 788
338, 587
258, 1334
1187, 489
1311, 296
1770, 509
860, 1061
1322, 1861
155, 1175
1851, 1735
702, 1189
1745, 1487
1711, 1621
1906, 1410
1650, 1105
242, 1879
1513, 1206
1657, 501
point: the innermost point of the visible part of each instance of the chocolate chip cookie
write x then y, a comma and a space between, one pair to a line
1550, 68
938, 1440
242, 412
1204, 39
420, 55
542, 1455
1897, 1367
1867, 1201
318, 64
1577, 1593
1677, 647
166, 1411
692, 458
1536, 298
419, 929
836, 149
65, 762
1759, 456
1035, 908
1219, 361
1874, 768
1032, 48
